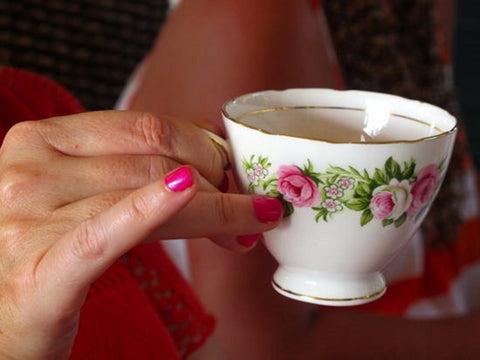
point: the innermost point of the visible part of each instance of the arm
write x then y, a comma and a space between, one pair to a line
212, 50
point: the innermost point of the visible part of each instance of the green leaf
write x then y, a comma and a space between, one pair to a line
358, 204
315, 178
321, 213
309, 166
334, 178
408, 169
387, 222
392, 169
273, 193
380, 177
337, 169
287, 208
251, 188
354, 171
366, 217
365, 175
363, 190
400, 220
268, 182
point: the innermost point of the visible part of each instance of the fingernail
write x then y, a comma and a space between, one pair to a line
267, 209
223, 187
248, 240
179, 179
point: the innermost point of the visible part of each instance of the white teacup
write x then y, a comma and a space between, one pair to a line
357, 172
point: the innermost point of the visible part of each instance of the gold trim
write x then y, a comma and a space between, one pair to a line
316, 298
265, 111
288, 108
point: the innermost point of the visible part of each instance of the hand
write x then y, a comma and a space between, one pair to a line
77, 192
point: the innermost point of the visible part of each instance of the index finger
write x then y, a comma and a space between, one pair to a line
136, 133
82, 255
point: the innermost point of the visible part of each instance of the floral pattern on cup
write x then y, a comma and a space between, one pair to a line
297, 187
390, 194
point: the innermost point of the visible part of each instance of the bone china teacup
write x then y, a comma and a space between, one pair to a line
357, 173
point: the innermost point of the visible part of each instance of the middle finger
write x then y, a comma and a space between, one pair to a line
123, 132
79, 178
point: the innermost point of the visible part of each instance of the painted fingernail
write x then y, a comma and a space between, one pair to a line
179, 179
248, 240
267, 209
224, 185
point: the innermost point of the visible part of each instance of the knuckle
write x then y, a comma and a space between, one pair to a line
158, 167
89, 240
11, 243
13, 230
154, 132
20, 280
140, 208
15, 183
106, 201
19, 132
224, 209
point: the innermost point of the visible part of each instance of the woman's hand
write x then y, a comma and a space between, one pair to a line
77, 192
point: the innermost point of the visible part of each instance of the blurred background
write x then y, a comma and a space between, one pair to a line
92, 47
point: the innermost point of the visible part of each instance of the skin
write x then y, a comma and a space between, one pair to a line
76, 193
246, 46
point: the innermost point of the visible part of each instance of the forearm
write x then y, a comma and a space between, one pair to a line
212, 50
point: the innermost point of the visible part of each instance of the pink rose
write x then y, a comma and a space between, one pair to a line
423, 189
391, 201
382, 205
296, 187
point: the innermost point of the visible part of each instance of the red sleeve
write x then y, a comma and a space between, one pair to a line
27, 96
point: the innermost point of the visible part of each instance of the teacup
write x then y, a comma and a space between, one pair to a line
357, 173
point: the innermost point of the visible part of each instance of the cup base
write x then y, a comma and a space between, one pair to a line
328, 289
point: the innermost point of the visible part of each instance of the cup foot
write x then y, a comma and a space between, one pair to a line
324, 288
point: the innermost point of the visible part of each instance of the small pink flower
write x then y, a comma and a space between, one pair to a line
424, 187
346, 183
251, 176
333, 191
332, 205
382, 205
260, 171
296, 187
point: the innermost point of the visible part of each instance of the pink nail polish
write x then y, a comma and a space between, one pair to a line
224, 185
267, 209
248, 240
179, 179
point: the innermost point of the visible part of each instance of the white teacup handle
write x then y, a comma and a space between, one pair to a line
223, 147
